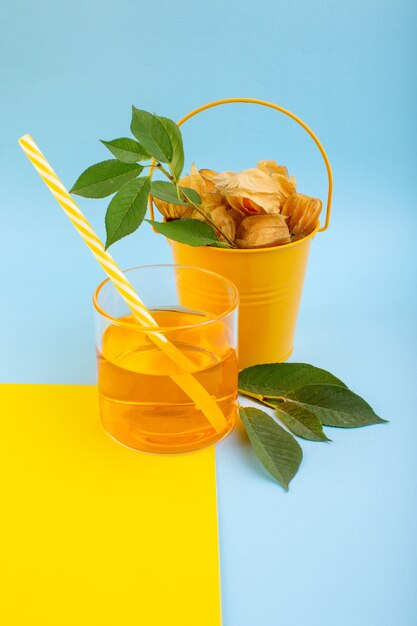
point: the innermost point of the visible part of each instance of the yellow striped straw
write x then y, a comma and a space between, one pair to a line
186, 381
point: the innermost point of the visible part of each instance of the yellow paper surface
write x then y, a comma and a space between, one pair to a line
95, 534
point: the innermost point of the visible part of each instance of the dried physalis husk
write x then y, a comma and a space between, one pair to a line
251, 192
303, 214
262, 231
236, 215
208, 176
173, 211
200, 181
287, 185
272, 167
226, 221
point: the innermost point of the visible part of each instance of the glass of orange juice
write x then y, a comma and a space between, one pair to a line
140, 404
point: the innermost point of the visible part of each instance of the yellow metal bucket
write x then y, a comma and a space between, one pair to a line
269, 280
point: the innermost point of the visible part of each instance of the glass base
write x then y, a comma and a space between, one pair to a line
131, 436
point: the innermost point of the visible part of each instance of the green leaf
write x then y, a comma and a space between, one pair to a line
191, 195
189, 231
127, 209
276, 379
177, 163
163, 190
103, 179
335, 405
151, 133
277, 450
127, 150
300, 421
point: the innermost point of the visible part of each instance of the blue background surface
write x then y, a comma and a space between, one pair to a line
340, 547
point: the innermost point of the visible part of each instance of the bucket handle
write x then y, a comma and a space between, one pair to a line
299, 121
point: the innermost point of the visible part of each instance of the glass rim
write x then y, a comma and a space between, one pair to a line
149, 329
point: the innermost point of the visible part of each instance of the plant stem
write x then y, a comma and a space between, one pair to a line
261, 398
199, 209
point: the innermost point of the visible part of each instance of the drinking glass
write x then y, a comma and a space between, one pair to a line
141, 405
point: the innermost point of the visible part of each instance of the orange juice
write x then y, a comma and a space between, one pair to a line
141, 406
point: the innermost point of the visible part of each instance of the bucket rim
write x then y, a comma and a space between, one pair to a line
285, 246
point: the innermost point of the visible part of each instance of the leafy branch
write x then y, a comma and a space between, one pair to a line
304, 398
157, 144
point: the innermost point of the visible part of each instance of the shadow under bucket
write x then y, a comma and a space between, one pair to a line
270, 283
